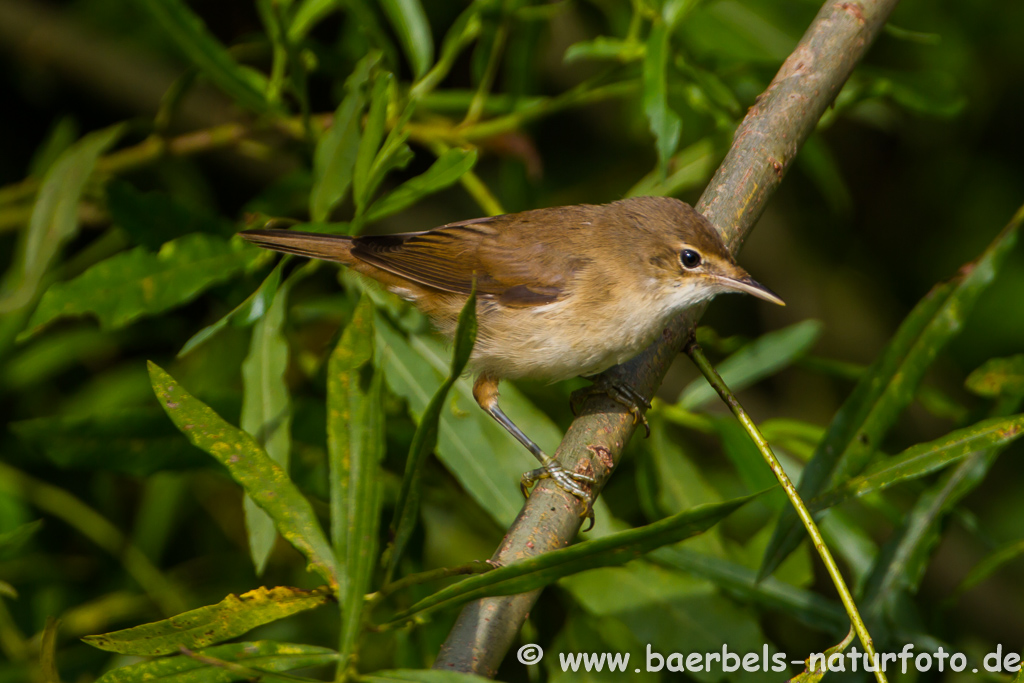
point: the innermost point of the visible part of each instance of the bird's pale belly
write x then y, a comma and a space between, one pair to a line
551, 343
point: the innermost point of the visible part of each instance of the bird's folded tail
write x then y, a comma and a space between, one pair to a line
310, 244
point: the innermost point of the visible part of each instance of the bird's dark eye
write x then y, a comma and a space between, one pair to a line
689, 258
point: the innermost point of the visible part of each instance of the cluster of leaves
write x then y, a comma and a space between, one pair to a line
397, 524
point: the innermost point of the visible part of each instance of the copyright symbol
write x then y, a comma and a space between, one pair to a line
530, 653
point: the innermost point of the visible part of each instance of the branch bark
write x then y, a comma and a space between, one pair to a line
765, 144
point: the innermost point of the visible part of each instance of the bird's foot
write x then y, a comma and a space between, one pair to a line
619, 392
567, 481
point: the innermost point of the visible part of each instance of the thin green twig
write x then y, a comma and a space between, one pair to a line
714, 379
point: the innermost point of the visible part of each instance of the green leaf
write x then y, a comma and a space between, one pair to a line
394, 155
231, 617
924, 458
308, 14
136, 441
541, 570
410, 23
373, 134
586, 633
904, 557
692, 167
761, 358
665, 124
986, 567
672, 612
746, 458
138, 283
675, 481
335, 158
930, 93
465, 29
355, 441
478, 452
267, 413
424, 441
244, 85
810, 608
890, 384
448, 168
251, 467
731, 32
48, 652
998, 377
60, 137
262, 655
54, 217
242, 315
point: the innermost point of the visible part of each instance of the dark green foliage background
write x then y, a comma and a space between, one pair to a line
910, 176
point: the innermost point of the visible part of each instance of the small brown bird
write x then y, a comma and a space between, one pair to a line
562, 292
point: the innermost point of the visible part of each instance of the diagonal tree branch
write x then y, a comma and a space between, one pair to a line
764, 146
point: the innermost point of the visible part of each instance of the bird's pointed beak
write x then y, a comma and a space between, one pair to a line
748, 285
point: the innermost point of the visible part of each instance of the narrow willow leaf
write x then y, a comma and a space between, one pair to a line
307, 15
924, 458
48, 652
668, 610
54, 217
890, 384
244, 85
410, 23
263, 655
905, 556
231, 617
461, 33
11, 542
424, 441
986, 567
394, 155
664, 123
335, 156
810, 608
691, 167
355, 441
448, 168
251, 467
373, 134
58, 139
761, 358
998, 377
244, 314
485, 459
137, 283
611, 550
266, 414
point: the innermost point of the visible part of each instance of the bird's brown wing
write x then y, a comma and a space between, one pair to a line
514, 259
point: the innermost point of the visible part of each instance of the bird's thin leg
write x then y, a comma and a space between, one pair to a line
620, 393
485, 391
